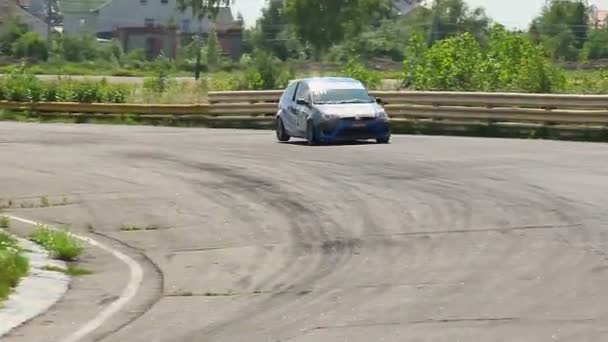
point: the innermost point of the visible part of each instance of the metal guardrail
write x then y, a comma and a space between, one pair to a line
440, 99
401, 106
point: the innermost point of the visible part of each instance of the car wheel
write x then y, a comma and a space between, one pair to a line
282, 135
383, 140
311, 134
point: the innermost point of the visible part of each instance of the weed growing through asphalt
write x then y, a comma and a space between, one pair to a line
60, 243
13, 265
5, 222
44, 202
130, 228
73, 271
134, 227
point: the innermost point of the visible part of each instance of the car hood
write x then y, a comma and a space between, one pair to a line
350, 110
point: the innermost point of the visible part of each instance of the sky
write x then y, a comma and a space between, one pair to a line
511, 13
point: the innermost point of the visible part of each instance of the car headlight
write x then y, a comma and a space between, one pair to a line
381, 115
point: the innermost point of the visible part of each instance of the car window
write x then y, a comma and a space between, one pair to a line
303, 92
337, 96
289, 93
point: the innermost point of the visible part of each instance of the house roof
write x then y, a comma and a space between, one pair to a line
82, 5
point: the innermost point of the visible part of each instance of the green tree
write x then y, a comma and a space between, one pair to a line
213, 49
563, 27
274, 34
414, 59
514, 63
270, 26
385, 41
451, 64
324, 23
596, 46
453, 17
14, 30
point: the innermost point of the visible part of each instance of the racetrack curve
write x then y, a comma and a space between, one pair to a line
424, 239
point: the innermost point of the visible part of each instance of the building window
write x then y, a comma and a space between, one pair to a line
149, 22
186, 25
164, 2
143, 2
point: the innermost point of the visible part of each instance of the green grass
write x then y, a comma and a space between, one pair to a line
13, 265
5, 222
60, 243
7, 241
586, 82
73, 271
44, 202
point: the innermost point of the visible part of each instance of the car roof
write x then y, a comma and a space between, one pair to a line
331, 82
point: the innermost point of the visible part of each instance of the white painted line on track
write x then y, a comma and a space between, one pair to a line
135, 280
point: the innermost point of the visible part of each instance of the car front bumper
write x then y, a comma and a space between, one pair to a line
352, 129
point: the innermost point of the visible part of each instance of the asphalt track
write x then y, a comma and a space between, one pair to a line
424, 239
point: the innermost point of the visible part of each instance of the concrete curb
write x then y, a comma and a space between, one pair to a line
36, 292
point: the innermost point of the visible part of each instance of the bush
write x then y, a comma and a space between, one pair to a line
356, 70
24, 87
511, 63
60, 243
5, 222
31, 45
79, 48
224, 82
264, 72
20, 87
136, 55
451, 64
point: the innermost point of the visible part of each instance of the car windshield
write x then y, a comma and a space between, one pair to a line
338, 96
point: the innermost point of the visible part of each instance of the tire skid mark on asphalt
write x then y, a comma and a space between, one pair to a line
552, 264
129, 292
538, 205
289, 211
213, 190
268, 193
303, 237
466, 231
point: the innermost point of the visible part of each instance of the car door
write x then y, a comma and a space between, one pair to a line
301, 111
288, 109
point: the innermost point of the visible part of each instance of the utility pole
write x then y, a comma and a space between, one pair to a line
197, 67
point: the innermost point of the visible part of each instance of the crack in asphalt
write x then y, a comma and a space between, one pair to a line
325, 245
486, 230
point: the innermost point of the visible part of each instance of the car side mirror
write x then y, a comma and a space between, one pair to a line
379, 101
302, 102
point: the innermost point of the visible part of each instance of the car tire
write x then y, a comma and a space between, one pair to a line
384, 140
311, 134
282, 135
